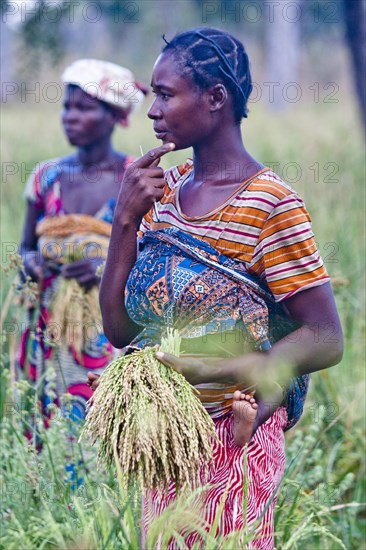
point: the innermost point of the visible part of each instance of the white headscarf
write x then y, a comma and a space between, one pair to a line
107, 82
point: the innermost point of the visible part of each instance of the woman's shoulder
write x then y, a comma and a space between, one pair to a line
42, 177
174, 174
268, 192
45, 165
48, 170
269, 183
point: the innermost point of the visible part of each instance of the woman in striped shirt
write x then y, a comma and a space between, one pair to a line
225, 244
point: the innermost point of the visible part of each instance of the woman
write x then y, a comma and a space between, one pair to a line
66, 232
223, 240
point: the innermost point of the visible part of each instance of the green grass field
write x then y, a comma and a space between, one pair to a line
319, 150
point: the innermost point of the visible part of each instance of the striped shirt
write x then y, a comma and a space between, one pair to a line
264, 224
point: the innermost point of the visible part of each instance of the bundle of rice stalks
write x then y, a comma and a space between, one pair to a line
74, 310
150, 416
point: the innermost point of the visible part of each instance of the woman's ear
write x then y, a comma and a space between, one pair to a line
120, 116
123, 119
218, 96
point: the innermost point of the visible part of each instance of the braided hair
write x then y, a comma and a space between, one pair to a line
210, 56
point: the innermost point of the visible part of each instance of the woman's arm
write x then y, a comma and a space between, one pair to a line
317, 345
142, 184
117, 325
28, 248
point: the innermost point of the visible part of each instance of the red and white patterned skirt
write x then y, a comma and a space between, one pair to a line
265, 468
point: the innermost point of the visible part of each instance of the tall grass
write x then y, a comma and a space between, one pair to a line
320, 504
45, 505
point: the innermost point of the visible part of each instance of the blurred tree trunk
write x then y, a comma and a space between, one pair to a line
355, 20
283, 48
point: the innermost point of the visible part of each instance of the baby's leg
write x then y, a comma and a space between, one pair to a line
245, 413
267, 407
250, 413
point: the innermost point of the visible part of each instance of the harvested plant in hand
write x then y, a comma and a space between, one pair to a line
72, 309
150, 417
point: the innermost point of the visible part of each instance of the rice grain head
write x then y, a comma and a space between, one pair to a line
153, 418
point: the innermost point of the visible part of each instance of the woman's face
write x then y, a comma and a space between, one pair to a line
180, 110
85, 119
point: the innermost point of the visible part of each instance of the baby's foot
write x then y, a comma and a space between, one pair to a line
245, 413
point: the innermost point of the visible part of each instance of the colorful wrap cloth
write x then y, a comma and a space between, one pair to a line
182, 282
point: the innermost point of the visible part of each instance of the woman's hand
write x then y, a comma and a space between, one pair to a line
84, 271
93, 380
33, 264
245, 369
142, 185
196, 370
